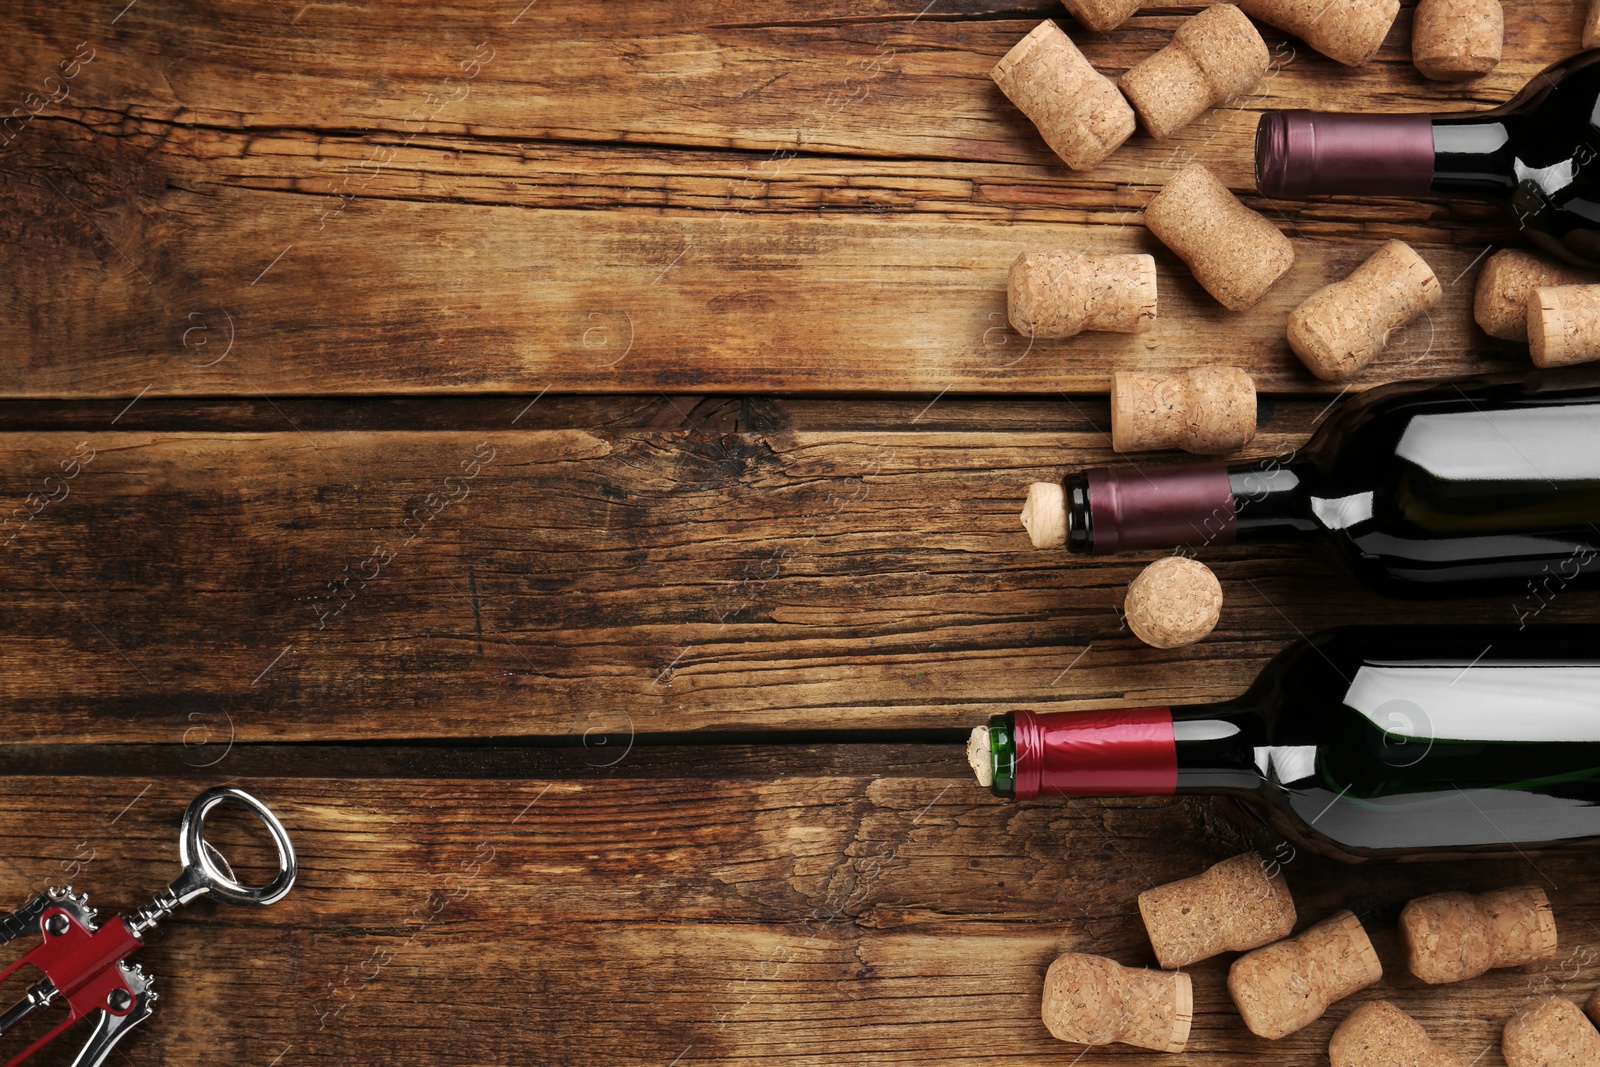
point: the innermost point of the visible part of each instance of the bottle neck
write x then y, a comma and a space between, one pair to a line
1197, 505
1310, 153
1272, 500
1473, 154
1124, 752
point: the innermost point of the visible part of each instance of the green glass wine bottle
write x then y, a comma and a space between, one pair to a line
1359, 743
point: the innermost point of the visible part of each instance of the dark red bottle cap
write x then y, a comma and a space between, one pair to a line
1314, 153
1123, 752
1160, 507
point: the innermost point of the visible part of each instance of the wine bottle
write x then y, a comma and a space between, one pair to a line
1537, 154
1360, 743
1424, 488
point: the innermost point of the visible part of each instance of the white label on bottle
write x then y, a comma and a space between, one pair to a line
1544, 444
1473, 702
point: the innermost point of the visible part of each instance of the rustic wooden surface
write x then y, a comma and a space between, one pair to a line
832, 904
637, 739
751, 564
800, 196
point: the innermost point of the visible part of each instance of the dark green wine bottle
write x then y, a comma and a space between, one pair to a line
1425, 489
1535, 154
1359, 743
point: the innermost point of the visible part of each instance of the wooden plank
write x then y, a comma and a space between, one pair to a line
870, 574
807, 215
886, 78
822, 917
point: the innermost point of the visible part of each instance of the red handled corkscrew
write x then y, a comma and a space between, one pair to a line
86, 966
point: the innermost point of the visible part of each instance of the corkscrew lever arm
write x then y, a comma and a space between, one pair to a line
110, 1028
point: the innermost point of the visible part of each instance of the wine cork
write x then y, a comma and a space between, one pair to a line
1500, 301
1101, 15
1457, 40
1234, 253
1280, 988
1232, 907
1078, 110
1208, 410
1044, 515
1378, 1034
1090, 1000
1550, 1032
1214, 57
1059, 294
1341, 327
1451, 937
1350, 31
1591, 26
1175, 601
978, 756
1564, 324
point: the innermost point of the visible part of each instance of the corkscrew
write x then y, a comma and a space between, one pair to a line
86, 965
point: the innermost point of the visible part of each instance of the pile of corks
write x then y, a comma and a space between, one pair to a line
1235, 253
1282, 984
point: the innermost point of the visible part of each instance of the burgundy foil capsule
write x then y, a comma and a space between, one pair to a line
1123, 752
1160, 507
1311, 153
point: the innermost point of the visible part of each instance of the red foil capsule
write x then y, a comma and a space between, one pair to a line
1125, 752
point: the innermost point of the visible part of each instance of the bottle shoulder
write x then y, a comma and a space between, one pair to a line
1441, 424
1539, 154
1556, 88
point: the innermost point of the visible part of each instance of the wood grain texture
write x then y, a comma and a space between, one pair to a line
743, 572
288, 302
801, 198
840, 914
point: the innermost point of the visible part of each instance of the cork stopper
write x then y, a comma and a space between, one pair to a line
1234, 253
1457, 40
1378, 1034
1591, 26
1078, 110
1451, 937
1059, 293
1341, 327
1208, 410
1214, 57
1350, 31
1101, 15
1044, 515
1564, 324
978, 756
1500, 301
1232, 907
1280, 988
1175, 601
1550, 1032
1090, 1000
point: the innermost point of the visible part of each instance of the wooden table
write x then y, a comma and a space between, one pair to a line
566, 458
